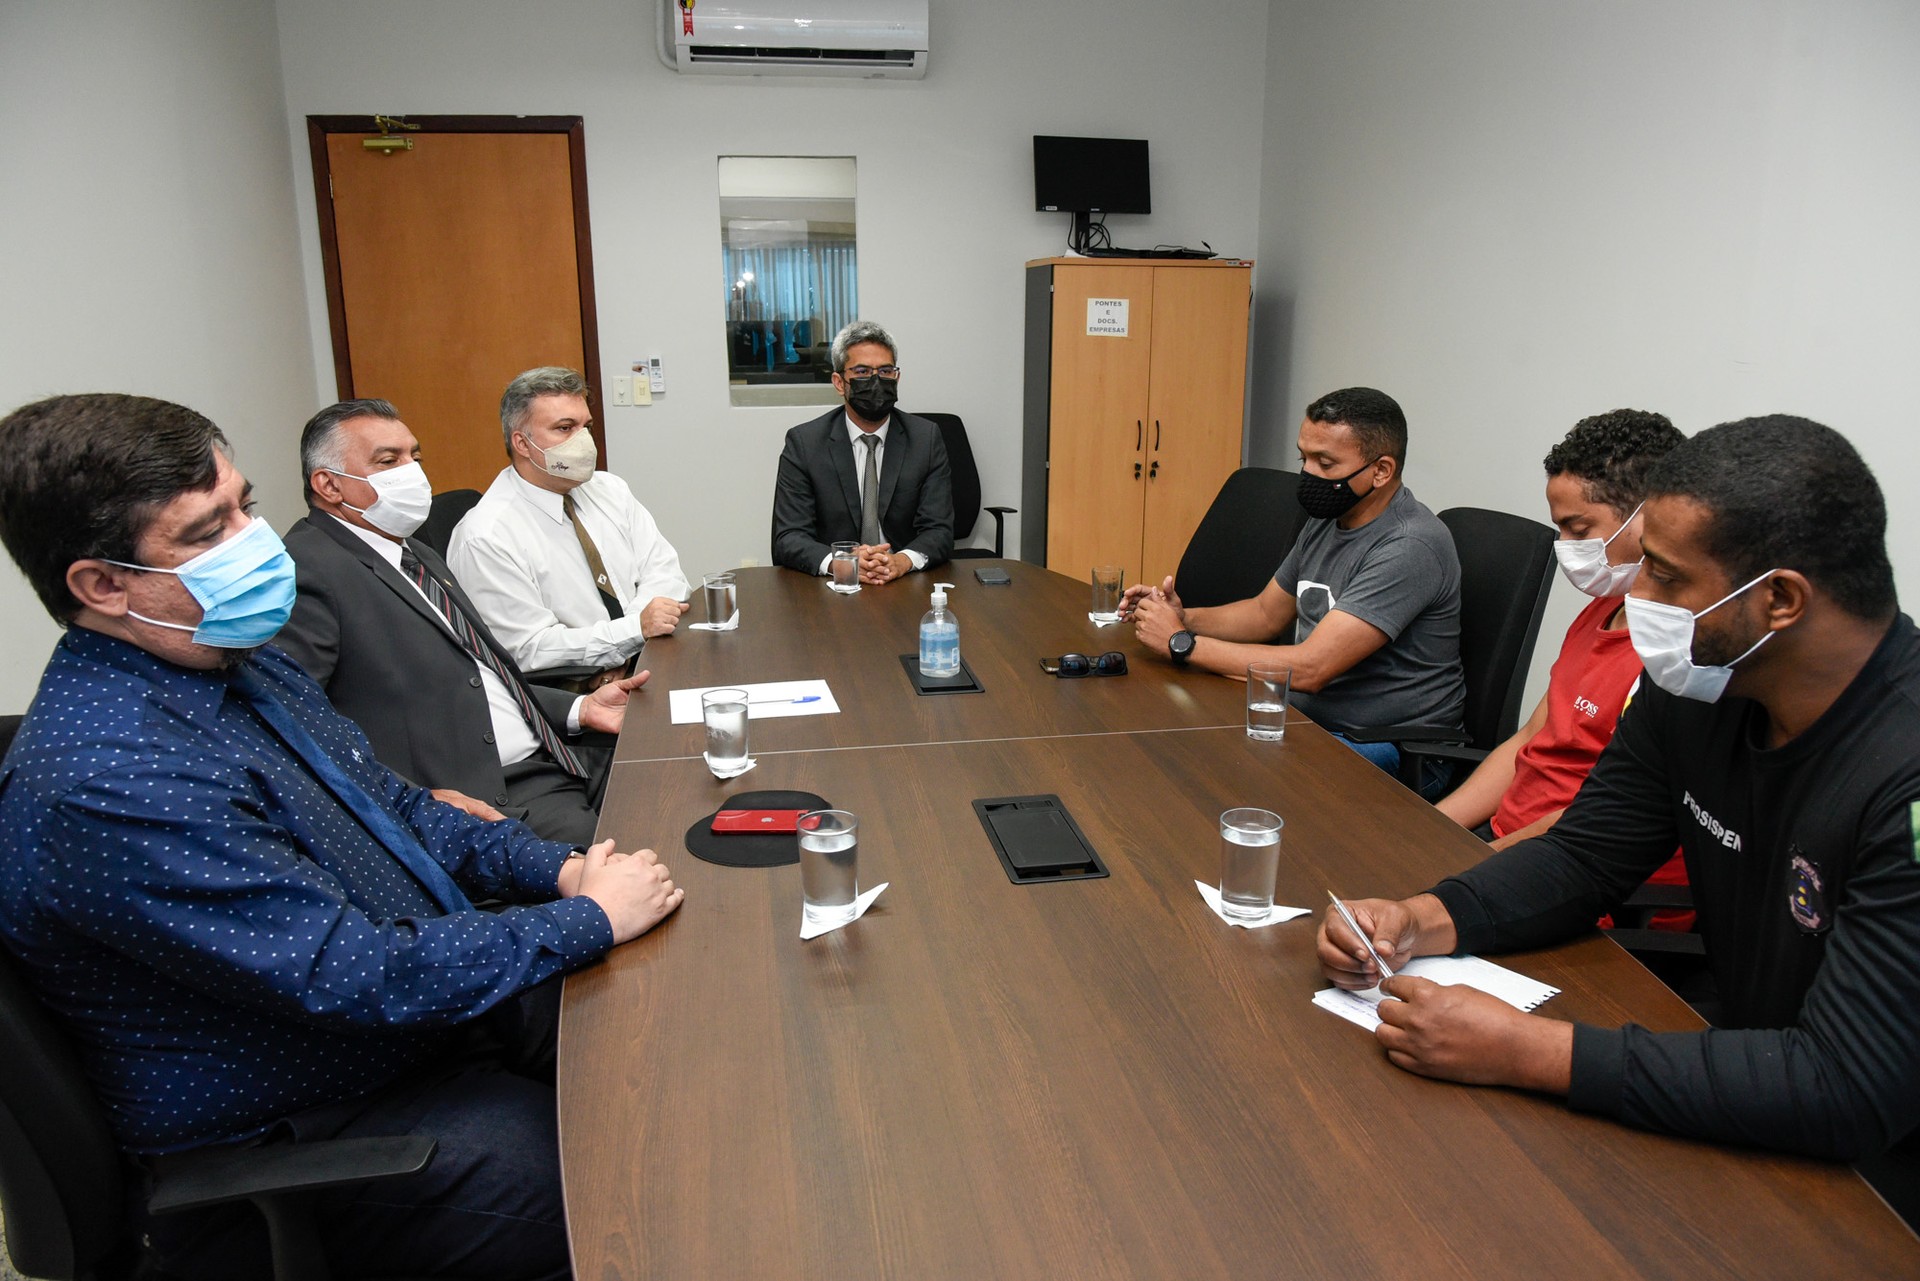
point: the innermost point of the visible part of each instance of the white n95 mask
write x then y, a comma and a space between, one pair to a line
1584, 562
1663, 637
402, 498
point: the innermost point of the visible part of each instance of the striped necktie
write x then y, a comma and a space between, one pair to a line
484, 654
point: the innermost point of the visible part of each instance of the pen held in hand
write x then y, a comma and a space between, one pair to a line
1386, 972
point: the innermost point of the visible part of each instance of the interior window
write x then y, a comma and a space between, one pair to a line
790, 273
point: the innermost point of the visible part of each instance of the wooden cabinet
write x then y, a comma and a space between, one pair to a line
1135, 407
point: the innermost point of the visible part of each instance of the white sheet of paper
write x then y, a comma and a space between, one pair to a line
810, 930
1211, 893
1516, 989
767, 699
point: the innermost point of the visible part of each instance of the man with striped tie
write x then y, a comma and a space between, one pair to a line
381, 624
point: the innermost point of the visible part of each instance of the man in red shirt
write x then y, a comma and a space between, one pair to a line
1596, 479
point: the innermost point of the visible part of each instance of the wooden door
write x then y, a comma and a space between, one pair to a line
1196, 405
453, 266
1098, 421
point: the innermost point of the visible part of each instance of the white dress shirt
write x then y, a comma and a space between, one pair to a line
512, 736
917, 559
517, 556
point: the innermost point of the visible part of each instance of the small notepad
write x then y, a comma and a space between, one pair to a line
1517, 990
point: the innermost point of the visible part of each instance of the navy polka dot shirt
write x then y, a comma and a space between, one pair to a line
225, 941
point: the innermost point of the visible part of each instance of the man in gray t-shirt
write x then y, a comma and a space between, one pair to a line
1397, 573
1366, 607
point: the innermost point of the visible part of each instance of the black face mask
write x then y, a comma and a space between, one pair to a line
872, 398
1326, 498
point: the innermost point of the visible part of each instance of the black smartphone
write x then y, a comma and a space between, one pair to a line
993, 577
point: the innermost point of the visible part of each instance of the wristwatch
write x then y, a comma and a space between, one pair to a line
1180, 648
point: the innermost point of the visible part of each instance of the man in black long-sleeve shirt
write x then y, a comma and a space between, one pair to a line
1796, 798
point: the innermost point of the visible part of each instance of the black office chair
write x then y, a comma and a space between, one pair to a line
966, 489
1506, 571
1242, 539
447, 510
63, 1184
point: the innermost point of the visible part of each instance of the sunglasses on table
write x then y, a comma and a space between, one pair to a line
1111, 663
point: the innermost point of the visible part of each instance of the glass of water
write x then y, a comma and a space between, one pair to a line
844, 568
725, 712
1268, 685
1249, 862
720, 597
829, 865
1108, 581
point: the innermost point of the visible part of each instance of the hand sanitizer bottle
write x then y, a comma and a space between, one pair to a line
939, 637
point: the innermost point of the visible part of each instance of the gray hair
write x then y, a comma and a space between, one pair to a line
853, 335
547, 380
321, 448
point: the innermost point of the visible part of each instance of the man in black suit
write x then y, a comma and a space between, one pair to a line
383, 627
893, 494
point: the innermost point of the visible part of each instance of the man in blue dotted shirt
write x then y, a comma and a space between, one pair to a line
253, 930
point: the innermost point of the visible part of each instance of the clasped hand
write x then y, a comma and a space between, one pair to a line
879, 563
661, 616
634, 890
1155, 612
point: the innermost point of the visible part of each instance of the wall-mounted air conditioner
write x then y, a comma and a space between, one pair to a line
871, 39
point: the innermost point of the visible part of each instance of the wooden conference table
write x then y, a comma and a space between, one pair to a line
1095, 1078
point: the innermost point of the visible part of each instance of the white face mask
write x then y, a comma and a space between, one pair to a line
1663, 637
572, 459
402, 498
1584, 562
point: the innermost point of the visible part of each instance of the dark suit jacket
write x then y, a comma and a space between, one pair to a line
387, 662
816, 499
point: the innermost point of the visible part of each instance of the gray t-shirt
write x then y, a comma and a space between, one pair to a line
1400, 573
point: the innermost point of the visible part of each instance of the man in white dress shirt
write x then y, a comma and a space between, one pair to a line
562, 561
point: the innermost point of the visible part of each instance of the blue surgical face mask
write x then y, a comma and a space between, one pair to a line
244, 586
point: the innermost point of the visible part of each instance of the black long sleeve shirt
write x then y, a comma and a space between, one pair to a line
1805, 865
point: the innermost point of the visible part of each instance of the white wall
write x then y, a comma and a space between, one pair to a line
945, 202
1510, 214
147, 238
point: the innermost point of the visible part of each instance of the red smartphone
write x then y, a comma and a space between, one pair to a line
732, 821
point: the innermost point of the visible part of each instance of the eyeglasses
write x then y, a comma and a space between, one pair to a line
889, 372
1111, 663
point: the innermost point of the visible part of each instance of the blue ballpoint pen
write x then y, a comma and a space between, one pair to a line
805, 698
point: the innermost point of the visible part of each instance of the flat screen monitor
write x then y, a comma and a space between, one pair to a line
1090, 175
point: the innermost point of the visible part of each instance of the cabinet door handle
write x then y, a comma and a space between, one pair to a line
1136, 435
1156, 435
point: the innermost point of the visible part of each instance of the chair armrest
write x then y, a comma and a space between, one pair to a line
1664, 942
1442, 751
196, 1179
1410, 734
1660, 896
1000, 515
566, 677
